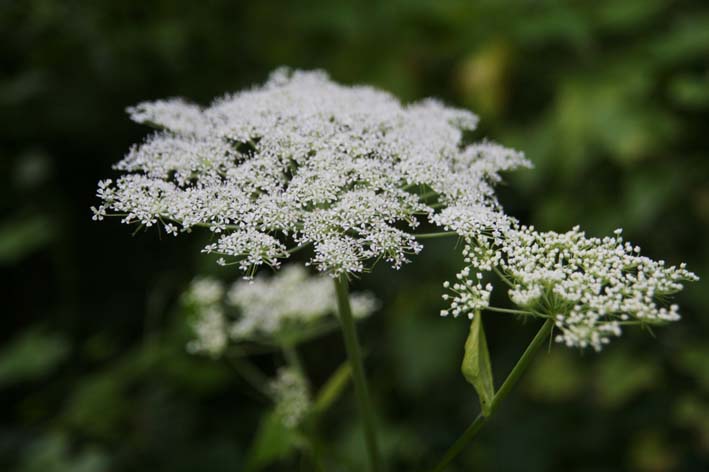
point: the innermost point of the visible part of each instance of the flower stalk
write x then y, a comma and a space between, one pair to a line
440, 234
360, 383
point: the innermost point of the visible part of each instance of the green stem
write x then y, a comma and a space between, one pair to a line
504, 390
349, 333
297, 248
503, 277
252, 375
508, 311
443, 234
293, 359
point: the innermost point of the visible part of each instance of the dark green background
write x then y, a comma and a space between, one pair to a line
609, 99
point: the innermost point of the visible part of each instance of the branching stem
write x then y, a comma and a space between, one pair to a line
504, 390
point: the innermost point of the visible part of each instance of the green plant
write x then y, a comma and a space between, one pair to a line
349, 173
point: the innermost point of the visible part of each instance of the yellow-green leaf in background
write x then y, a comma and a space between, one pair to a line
273, 442
332, 388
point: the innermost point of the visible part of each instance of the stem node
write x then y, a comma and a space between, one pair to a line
507, 385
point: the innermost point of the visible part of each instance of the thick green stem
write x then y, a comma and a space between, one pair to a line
504, 390
349, 333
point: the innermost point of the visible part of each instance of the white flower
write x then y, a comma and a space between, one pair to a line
304, 161
270, 305
267, 307
99, 213
171, 229
210, 332
292, 396
205, 291
589, 286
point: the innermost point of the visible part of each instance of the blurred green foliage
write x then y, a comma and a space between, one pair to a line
31, 356
609, 99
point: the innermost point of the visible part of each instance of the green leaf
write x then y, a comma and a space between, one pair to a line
54, 452
622, 376
476, 366
332, 389
274, 441
31, 356
22, 236
556, 377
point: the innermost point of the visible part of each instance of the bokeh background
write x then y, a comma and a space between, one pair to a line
609, 99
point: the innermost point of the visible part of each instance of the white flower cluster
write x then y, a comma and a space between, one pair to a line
292, 396
303, 160
266, 307
470, 295
589, 286
210, 326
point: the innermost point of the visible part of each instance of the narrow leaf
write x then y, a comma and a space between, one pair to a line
476, 366
273, 442
332, 388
